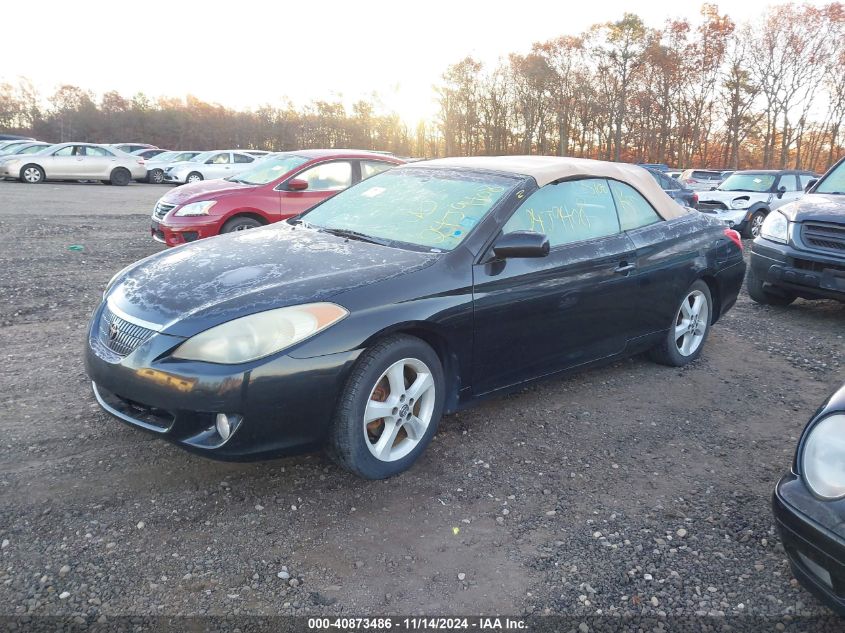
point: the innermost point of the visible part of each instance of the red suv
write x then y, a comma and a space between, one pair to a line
277, 187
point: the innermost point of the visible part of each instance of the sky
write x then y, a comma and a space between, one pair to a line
244, 54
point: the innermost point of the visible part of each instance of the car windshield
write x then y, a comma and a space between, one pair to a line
748, 182
269, 169
29, 149
202, 157
431, 208
834, 182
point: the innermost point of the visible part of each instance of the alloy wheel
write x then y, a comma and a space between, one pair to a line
399, 409
757, 224
691, 323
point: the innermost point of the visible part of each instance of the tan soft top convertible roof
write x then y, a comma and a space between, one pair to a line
546, 169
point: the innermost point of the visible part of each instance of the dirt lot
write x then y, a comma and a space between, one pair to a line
632, 488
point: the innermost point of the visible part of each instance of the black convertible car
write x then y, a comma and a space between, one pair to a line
417, 292
809, 505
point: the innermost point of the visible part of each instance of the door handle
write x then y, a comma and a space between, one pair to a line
624, 268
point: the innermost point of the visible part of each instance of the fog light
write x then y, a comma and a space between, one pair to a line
226, 425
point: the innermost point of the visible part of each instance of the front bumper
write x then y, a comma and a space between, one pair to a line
811, 531
801, 272
175, 177
191, 230
734, 218
287, 403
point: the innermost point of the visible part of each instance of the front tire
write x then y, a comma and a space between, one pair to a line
119, 177
755, 224
194, 176
241, 223
389, 409
685, 339
32, 174
760, 295
156, 176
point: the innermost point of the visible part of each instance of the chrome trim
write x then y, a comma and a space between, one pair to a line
134, 320
124, 417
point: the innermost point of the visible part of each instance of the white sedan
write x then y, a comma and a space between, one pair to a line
75, 161
208, 166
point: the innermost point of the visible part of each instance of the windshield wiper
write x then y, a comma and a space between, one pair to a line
355, 235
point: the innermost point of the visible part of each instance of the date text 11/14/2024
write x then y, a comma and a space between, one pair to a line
417, 624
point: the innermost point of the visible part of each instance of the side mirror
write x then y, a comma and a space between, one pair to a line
297, 184
811, 184
521, 244
781, 191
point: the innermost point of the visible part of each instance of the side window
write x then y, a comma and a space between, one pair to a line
243, 158
568, 212
328, 176
96, 151
373, 167
790, 181
634, 210
65, 151
805, 179
671, 184
219, 159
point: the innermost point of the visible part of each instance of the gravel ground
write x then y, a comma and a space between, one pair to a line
630, 489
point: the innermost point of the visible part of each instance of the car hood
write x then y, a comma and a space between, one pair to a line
201, 190
726, 196
819, 207
193, 287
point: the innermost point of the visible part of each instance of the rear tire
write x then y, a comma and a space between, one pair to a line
32, 174
686, 337
240, 223
120, 177
194, 176
760, 295
400, 377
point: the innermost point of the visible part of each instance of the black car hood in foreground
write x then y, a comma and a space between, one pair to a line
819, 207
193, 287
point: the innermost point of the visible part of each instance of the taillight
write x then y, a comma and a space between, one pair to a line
695, 197
692, 180
140, 161
734, 237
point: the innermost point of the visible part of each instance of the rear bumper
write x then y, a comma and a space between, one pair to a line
816, 553
801, 272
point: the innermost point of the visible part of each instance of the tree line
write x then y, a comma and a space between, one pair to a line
767, 93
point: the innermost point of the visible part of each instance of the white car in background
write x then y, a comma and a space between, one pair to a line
157, 164
208, 166
75, 161
745, 198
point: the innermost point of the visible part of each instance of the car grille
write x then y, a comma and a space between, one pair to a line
121, 336
828, 237
816, 267
162, 209
711, 205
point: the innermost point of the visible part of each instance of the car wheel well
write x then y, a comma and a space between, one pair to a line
247, 214
715, 295
441, 347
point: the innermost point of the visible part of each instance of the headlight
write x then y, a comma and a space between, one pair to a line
196, 208
261, 334
740, 203
775, 227
823, 458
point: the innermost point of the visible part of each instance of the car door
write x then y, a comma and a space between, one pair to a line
94, 162
324, 180
62, 163
789, 188
663, 258
533, 317
218, 166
